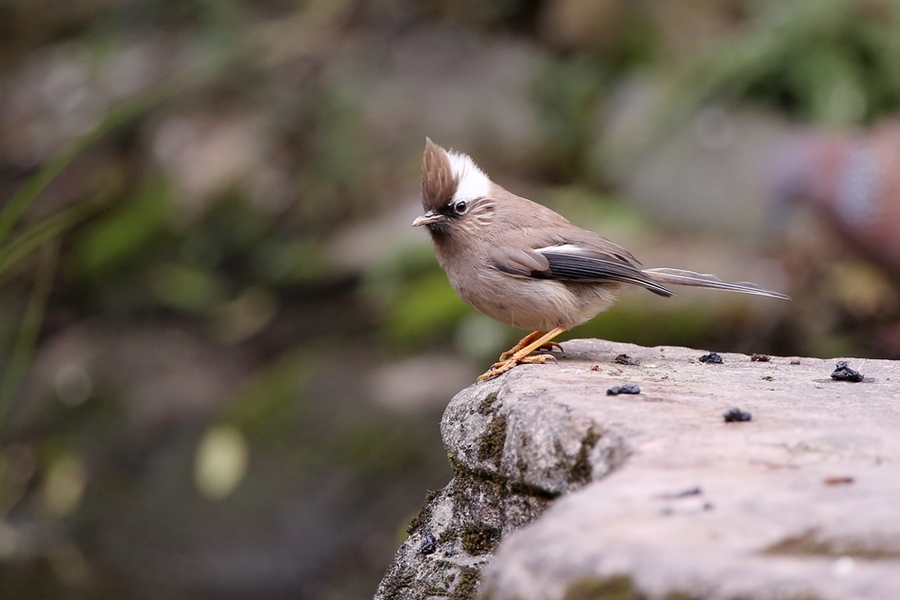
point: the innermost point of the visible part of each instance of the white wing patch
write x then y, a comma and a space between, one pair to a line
473, 183
564, 248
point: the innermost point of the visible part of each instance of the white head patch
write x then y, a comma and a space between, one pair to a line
473, 183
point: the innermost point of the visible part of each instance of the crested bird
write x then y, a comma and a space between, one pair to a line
525, 265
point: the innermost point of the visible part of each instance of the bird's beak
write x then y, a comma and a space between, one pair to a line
428, 218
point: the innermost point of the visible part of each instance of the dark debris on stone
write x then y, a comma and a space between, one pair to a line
843, 372
712, 358
429, 546
686, 493
627, 388
624, 359
735, 415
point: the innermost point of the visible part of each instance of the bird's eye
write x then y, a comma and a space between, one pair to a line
461, 207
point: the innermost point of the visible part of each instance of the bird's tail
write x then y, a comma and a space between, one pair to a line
681, 277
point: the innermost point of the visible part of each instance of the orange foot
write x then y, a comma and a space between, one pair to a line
529, 339
521, 352
546, 347
505, 365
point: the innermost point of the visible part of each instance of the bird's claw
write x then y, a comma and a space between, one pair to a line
548, 347
505, 365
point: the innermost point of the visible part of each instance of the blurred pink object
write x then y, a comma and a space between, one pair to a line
852, 179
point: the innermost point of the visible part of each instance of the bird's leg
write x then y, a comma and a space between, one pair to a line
522, 355
527, 340
521, 344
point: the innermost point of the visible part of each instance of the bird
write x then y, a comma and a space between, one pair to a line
851, 179
525, 265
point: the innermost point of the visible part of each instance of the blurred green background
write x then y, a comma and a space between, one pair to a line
225, 352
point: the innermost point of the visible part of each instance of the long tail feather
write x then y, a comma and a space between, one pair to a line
681, 277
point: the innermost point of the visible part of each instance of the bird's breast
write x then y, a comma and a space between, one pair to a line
525, 303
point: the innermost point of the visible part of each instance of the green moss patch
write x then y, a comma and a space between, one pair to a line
580, 472
467, 584
618, 587
477, 540
491, 446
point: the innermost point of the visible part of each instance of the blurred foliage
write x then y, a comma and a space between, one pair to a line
272, 399
333, 169
21, 352
46, 230
180, 303
566, 98
415, 297
671, 326
114, 240
492, 14
428, 306
832, 62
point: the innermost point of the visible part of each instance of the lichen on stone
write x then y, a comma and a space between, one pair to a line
678, 595
486, 406
813, 543
490, 448
582, 468
423, 513
617, 587
478, 540
396, 584
466, 584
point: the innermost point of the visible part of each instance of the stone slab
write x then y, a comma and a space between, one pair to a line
654, 495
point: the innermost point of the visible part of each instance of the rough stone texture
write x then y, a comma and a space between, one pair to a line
662, 498
512, 454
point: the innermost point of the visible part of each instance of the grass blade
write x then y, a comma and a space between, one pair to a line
31, 327
117, 116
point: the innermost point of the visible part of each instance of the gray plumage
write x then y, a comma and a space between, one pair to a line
523, 264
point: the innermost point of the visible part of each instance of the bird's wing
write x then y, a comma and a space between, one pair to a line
518, 262
569, 262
